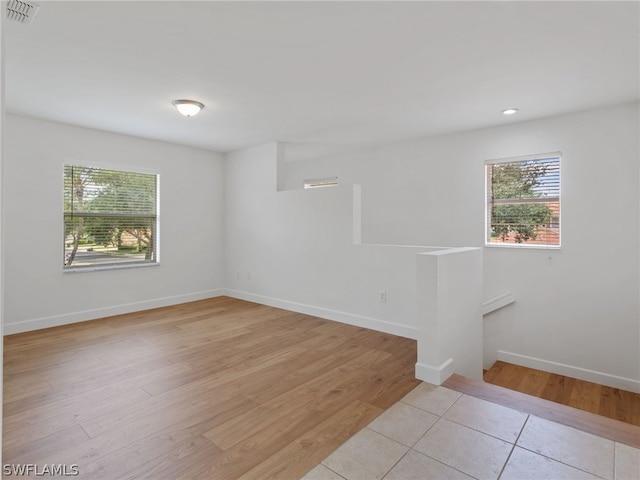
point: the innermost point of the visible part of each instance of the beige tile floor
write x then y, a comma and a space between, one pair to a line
437, 433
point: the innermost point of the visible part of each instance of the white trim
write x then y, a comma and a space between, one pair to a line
434, 375
110, 266
601, 378
523, 158
335, 315
522, 246
81, 316
110, 165
497, 303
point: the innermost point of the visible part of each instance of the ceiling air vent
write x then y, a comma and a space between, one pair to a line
21, 11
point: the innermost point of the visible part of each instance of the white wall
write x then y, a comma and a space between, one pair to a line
449, 314
37, 292
576, 309
295, 249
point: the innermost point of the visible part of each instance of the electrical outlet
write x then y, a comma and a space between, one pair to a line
248, 275
383, 296
238, 275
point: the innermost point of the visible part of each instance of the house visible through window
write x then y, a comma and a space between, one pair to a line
523, 201
110, 217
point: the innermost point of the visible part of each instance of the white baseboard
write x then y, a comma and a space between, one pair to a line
601, 378
74, 317
338, 316
434, 375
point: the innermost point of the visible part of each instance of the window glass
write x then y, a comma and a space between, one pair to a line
523, 201
110, 217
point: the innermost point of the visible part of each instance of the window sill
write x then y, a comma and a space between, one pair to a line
523, 247
97, 268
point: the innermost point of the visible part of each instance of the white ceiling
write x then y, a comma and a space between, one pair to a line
330, 73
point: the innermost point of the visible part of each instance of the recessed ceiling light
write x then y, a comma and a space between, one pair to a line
188, 108
510, 111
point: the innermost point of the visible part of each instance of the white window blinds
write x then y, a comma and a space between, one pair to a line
110, 217
523, 201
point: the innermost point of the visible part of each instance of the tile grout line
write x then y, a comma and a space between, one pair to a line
568, 464
387, 437
411, 449
393, 466
440, 417
515, 443
480, 431
327, 469
455, 401
560, 461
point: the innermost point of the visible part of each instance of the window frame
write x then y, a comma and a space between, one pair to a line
155, 261
323, 182
488, 206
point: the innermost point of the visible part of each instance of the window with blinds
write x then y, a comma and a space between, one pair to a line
523, 201
110, 218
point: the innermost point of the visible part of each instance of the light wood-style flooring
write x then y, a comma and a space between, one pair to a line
219, 388
591, 397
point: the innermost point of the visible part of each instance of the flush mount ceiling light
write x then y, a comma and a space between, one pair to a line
510, 111
188, 108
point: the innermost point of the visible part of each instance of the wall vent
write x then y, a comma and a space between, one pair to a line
22, 11
321, 182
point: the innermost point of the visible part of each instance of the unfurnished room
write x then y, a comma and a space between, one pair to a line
320, 240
